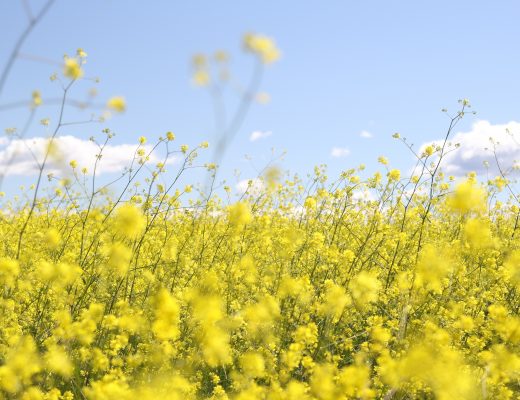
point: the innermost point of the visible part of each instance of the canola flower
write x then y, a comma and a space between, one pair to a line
72, 68
263, 46
254, 301
467, 197
117, 103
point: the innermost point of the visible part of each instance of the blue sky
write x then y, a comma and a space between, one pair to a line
346, 67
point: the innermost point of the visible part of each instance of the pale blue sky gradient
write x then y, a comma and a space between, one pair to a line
380, 66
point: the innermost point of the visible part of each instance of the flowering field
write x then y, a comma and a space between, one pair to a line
412, 294
363, 286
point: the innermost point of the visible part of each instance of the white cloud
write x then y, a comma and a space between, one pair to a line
339, 152
252, 186
366, 134
476, 148
363, 195
259, 135
18, 157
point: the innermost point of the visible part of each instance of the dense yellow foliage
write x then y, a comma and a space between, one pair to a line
361, 288
294, 292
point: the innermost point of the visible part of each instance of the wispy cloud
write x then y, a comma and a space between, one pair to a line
21, 157
339, 152
363, 195
259, 135
475, 148
366, 134
252, 186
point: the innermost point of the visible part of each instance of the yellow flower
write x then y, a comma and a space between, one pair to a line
364, 288
432, 268
20, 363
199, 61
9, 270
428, 151
52, 238
334, 300
478, 233
129, 220
201, 77
72, 68
81, 53
394, 175
468, 197
221, 56
310, 203
263, 98
322, 382
167, 312
117, 103
239, 214
354, 381
252, 364
58, 361
119, 259
512, 268
36, 98
500, 182
263, 46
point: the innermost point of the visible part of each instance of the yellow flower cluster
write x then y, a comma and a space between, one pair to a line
285, 294
213, 70
263, 46
378, 287
117, 103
